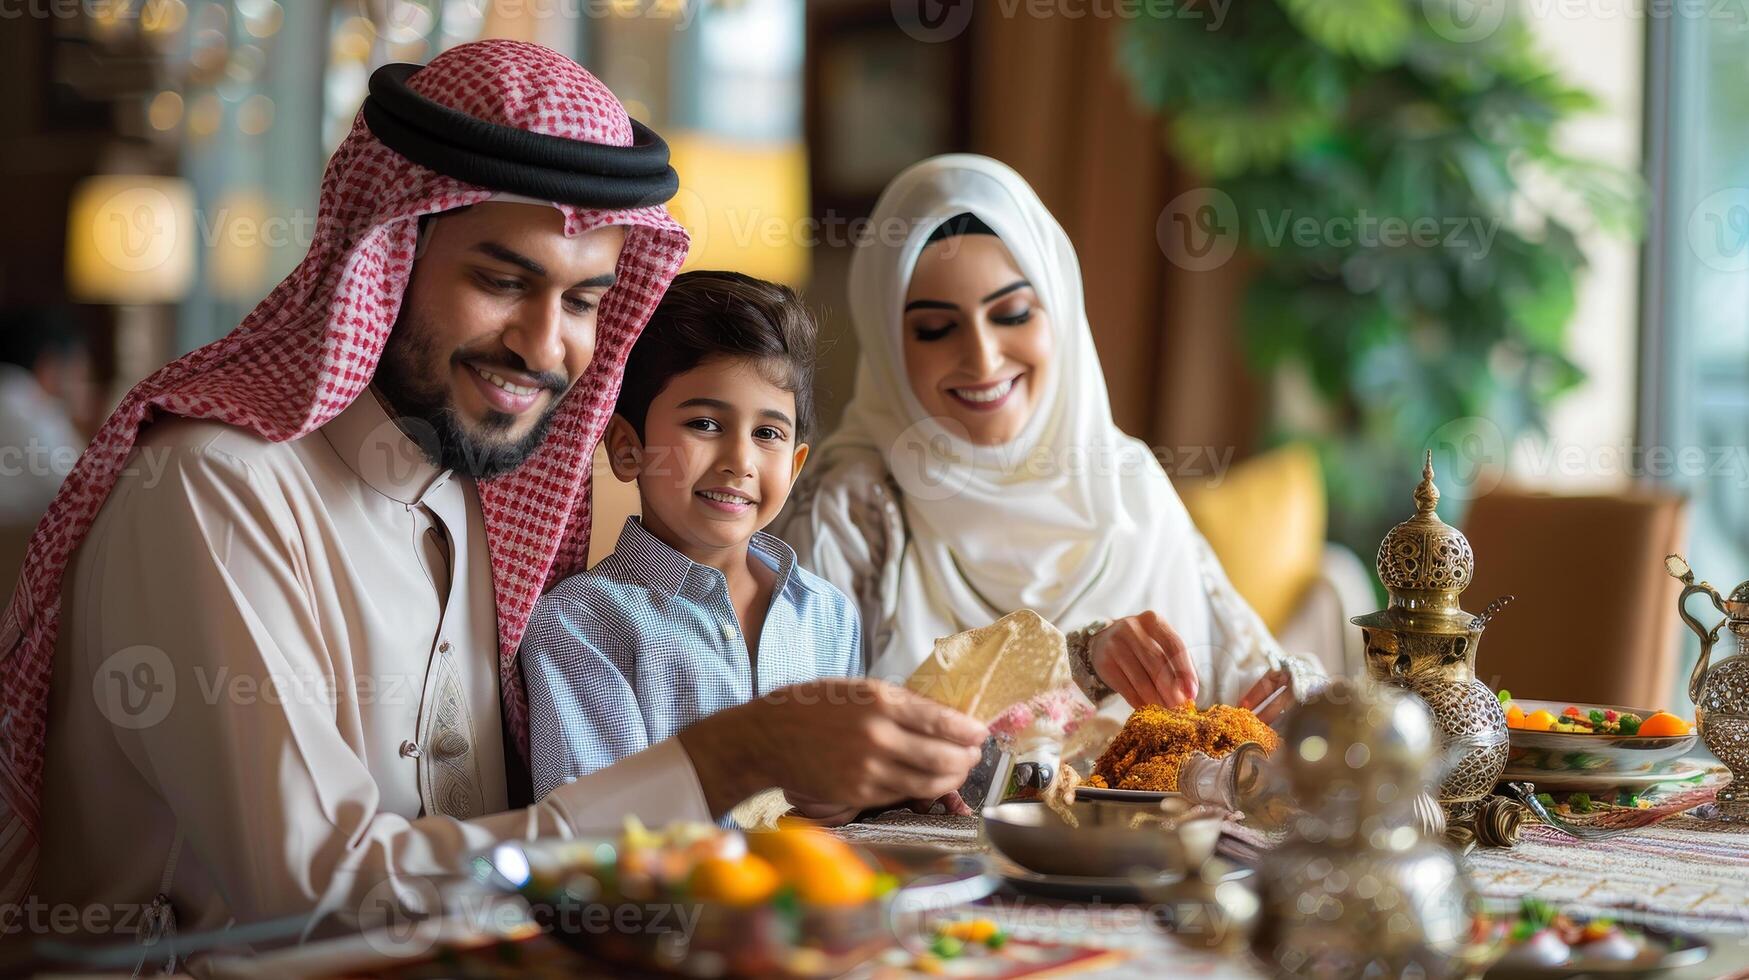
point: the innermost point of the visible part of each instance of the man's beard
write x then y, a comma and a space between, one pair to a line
412, 377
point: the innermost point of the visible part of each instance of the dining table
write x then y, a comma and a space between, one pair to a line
1671, 867
1682, 871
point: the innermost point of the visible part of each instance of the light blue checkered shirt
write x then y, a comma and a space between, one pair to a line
622, 656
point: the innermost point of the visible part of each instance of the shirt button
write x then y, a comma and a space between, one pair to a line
443, 647
728, 631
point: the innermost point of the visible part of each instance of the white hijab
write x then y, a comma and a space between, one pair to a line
1072, 518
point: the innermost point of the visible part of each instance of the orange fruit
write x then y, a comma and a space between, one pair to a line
823, 869
1539, 721
1663, 723
746, 880
1514, 716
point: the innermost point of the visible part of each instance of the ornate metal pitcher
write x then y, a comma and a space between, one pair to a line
1425, 642
1357, 890
1720, 691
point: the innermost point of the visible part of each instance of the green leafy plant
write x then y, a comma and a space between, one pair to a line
1377, 174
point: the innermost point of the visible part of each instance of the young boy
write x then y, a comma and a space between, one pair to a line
696, 610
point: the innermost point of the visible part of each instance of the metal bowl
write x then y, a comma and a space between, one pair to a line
1563, 752
1113, 840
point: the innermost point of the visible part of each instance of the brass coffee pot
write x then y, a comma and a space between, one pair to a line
1720, 691
1425, 642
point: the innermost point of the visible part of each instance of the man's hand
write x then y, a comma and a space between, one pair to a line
836, 815
821, 812
855, 742
1143, 659
1273, 685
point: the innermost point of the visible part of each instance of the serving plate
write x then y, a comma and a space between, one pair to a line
1147, 797
1558, 781
1565, 752
1665, 949
566, 894
1112, 841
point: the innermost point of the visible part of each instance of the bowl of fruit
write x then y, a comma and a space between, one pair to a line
702, 901
1557, 737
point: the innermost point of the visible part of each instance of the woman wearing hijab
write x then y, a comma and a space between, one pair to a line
978, 471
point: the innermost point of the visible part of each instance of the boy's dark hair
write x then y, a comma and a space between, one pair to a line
708, 313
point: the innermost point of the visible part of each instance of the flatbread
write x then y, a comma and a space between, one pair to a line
986, 671
761, 810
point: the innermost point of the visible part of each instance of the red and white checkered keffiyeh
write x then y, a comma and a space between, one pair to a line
311, 347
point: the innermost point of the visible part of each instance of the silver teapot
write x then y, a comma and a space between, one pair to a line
1720, 690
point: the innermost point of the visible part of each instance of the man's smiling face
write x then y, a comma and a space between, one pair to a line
497, 324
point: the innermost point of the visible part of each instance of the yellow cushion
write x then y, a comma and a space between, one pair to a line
1265, 520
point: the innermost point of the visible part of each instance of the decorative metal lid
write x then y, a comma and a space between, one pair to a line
1425, 564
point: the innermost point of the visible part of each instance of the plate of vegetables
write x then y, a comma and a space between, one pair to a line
701, 901
1543, 941
1591, 739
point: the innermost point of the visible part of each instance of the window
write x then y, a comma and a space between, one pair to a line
1694, 402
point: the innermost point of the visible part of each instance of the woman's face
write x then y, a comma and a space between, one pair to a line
977, 342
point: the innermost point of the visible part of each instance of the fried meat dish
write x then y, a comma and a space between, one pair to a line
1156, 741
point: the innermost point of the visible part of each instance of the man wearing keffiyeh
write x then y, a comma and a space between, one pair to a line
274, 671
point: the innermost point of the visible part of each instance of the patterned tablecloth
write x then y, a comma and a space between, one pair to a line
1683, 870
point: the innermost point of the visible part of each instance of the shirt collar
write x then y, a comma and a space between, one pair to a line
375, 448
658, 565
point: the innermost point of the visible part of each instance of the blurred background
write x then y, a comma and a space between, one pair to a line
1319, 237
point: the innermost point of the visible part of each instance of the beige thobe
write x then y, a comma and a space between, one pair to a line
273, 696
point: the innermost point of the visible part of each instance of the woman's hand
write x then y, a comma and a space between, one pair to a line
1270, 697
1141, 658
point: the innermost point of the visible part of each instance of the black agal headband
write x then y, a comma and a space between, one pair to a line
504, 158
